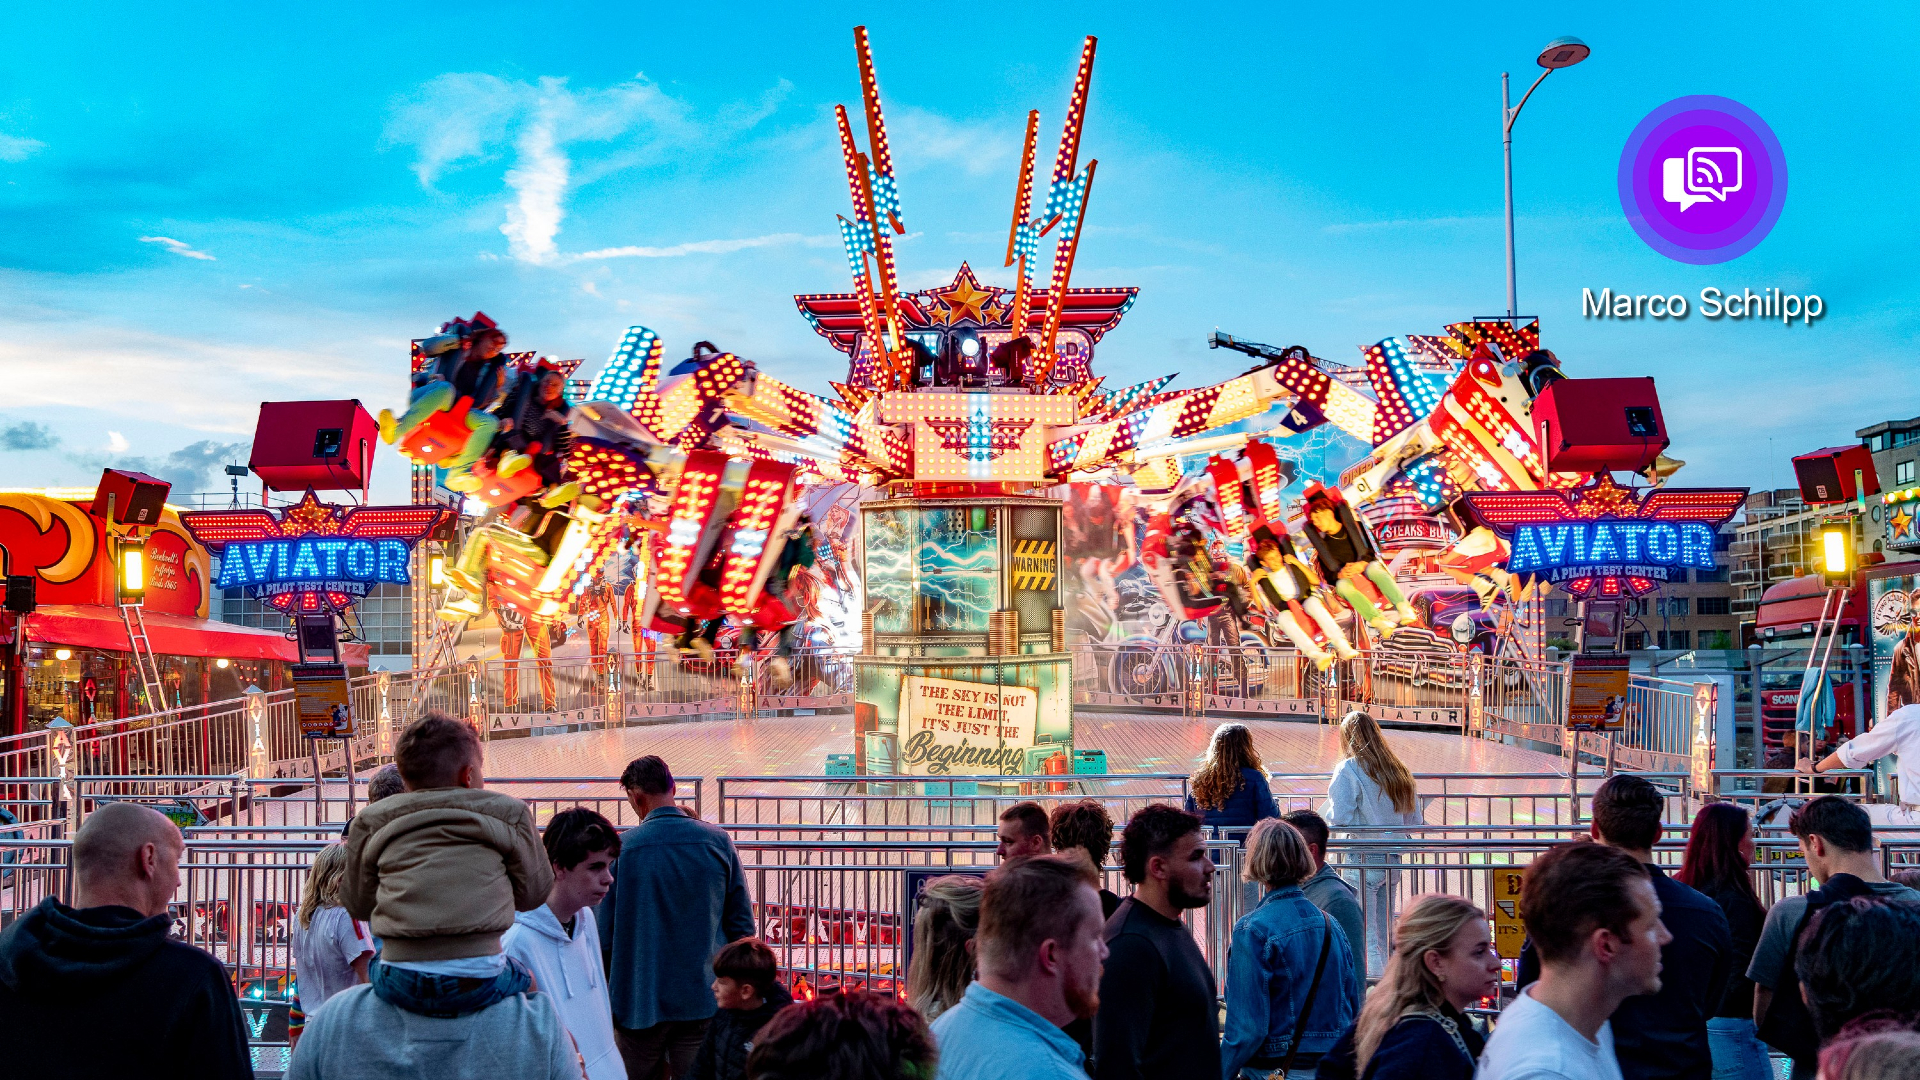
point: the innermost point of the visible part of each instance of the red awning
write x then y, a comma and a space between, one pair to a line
93, 627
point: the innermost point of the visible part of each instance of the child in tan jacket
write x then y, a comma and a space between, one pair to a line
439, 870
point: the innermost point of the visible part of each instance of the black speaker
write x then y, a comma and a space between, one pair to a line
21, 590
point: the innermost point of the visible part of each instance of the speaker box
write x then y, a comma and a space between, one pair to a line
1599, 425
323, 445
21, 591
1826, 476
137, 498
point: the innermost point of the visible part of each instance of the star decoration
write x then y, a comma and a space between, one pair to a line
310, 517
1903, 522
964, 298
1604, 498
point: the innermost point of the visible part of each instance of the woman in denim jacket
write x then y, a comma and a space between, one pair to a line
1276, 949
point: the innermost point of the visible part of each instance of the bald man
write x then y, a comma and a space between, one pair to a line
97, 989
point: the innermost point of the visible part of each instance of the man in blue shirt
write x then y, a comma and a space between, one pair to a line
678, 895
1039, 947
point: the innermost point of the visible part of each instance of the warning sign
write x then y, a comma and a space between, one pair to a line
320, 696
1599, 692
1034, 564
1503, 894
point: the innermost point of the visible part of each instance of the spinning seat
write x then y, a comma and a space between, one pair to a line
440, 436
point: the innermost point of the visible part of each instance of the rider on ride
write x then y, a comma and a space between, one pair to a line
477, 372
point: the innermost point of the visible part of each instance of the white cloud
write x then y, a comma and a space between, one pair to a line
540, 183
117, 443
461, 119
707, 247
177, 247
18, 148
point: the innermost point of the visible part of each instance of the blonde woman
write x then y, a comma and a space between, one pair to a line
331, 949
943, 929
1372, 788
1414, 1024
1292, 986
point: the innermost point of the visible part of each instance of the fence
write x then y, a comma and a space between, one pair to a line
839, 912
257, 736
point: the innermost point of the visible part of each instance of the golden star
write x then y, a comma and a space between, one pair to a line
964, 298
1903, 522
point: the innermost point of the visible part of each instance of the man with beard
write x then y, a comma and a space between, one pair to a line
1039, 950
1158, 1017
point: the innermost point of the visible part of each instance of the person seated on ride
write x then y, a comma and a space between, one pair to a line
1287, 586
1347, 555
795, 552
534, 435
477, 373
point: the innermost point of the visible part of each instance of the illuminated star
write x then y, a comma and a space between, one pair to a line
1902, 522
964, 298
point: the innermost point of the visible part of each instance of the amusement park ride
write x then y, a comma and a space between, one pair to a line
965, 408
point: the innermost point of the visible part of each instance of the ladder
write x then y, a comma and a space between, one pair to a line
439, 654
143, 659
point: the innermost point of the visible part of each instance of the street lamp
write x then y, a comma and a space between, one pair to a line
1559, 53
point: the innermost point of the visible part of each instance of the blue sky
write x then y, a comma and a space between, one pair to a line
221, 204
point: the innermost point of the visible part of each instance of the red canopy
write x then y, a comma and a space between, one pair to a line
94, 627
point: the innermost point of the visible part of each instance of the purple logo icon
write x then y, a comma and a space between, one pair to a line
1702, 179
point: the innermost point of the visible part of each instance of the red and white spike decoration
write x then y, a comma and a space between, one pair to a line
870, 323
1226, 492
688, 518
1267, 483
1067, 159
1022, 241
768, 489
877, 130
1066, 204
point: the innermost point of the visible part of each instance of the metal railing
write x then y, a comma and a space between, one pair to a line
838, 912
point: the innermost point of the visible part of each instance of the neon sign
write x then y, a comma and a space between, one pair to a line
1603, 539
313, 556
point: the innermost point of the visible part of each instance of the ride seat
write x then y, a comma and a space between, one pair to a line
440, 436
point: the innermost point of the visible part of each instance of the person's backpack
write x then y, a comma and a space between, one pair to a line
1788, 1026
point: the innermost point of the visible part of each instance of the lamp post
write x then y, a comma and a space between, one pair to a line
1559, 53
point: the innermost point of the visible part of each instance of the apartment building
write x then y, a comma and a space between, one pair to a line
1778, 539
1895, 446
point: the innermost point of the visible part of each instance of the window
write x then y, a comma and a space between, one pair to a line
1673, 639
1674, 607
1903, 472
1634, 641
1703, 577
1716, 639
1876, 442
1714, 605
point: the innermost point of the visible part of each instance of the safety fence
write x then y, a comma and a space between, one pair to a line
839, 912
257, 736
818, 807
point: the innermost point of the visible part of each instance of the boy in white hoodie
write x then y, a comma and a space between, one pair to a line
560, 941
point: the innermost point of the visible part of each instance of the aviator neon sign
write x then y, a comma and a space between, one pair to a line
1603, 539
313, 557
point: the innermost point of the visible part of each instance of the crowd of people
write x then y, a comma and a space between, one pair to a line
446, 936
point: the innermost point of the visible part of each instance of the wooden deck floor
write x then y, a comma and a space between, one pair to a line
1133, 742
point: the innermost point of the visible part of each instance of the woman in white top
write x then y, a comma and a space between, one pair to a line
331, 949
1372, 788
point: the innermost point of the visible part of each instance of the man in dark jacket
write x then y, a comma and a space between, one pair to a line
1158, 1015
98, 990
678, 895
1662, 1036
